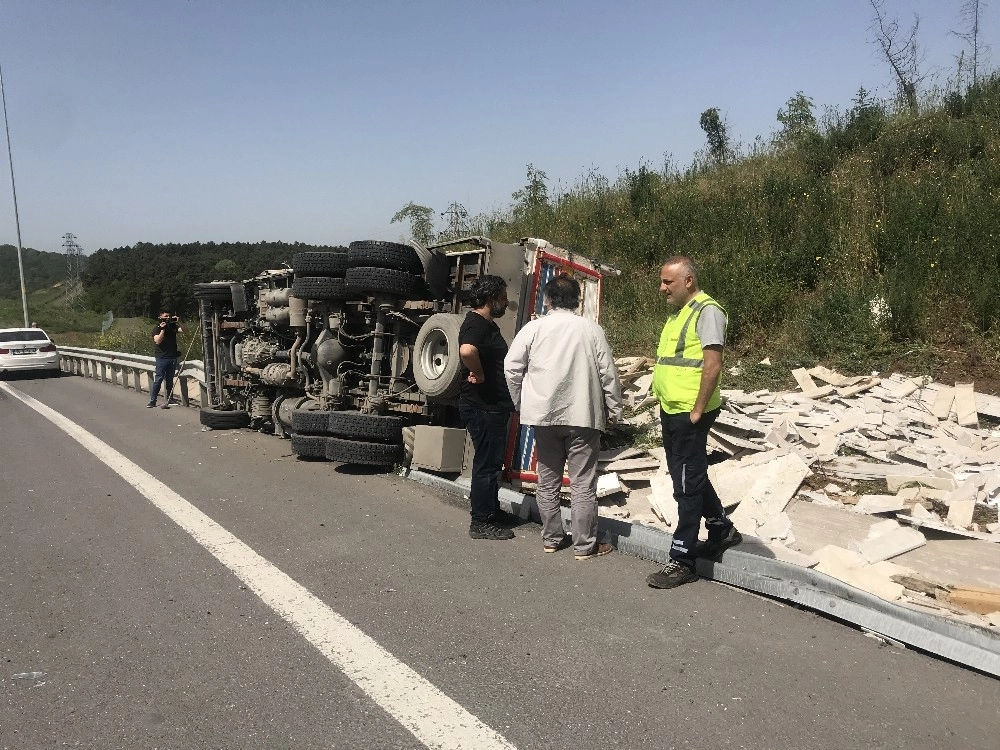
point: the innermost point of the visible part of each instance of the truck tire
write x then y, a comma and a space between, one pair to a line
437, 367
376, 254
223, 419
369, 280
357, 426
319, 288
358, 452
310, 422
320, 264
216, 292
309, 446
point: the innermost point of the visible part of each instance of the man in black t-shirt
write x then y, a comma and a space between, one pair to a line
167, 354
484, 402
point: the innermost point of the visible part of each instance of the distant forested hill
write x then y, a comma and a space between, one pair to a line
41, 270
143, 279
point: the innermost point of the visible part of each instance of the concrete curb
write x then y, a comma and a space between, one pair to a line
965, 644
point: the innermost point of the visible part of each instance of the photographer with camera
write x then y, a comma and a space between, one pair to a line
167, 354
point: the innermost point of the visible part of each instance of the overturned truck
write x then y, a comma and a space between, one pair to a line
344, 350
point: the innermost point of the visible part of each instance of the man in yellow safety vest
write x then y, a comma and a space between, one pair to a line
686, 383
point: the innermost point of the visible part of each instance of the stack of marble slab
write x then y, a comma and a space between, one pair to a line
931, 469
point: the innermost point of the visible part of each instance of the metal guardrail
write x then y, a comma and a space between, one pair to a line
120, 368
966, 644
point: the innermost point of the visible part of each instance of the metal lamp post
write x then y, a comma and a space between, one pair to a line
13, 190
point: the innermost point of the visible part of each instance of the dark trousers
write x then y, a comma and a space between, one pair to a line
488, 430
687, 460
165, 369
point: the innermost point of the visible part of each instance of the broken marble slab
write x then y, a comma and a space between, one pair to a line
619, 453
809, 388
933, 524
764, 494
875, 504
777, 528
609, 484
639, 463
661, 498
942, 403
965, 405
888, 539
835, 378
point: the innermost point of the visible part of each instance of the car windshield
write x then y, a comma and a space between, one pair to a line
36, 335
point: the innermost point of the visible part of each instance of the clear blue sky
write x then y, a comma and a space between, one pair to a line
315, 121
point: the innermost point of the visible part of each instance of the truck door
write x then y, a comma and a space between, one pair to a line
521, 460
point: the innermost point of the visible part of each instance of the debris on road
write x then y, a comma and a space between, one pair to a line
890, 484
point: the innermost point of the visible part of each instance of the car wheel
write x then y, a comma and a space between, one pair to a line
359, 452
309, 446
376, 254
437, 366
319, 288
367, 280
310, 422
223, 419
358, 426
320, 264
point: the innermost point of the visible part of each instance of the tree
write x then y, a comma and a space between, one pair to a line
421, 223
971, 14
226, 269
715, 130
534, 195
797, 118
900, 52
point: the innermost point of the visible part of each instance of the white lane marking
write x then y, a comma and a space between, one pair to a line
434, 718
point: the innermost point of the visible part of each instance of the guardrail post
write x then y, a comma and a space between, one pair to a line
110, 366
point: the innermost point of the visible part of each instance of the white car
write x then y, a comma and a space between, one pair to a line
27, 349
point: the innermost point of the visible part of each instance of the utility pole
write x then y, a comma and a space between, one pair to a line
458, 221
17, 218
74, 262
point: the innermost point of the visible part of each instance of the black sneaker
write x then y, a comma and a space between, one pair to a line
504, 519
713, 548
489, 531
673, 575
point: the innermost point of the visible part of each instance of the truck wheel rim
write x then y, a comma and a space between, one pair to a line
435, 356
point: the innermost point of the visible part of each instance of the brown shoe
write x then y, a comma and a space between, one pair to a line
600, 550
549, 548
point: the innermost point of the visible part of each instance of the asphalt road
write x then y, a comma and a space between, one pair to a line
146, 640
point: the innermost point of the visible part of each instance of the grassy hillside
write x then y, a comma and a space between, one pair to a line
802, 238
41, 269
48, 308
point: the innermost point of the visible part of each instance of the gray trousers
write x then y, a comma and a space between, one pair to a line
579, 447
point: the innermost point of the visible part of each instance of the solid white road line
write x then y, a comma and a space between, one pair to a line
434, 718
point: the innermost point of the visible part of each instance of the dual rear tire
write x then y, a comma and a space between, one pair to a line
348, 437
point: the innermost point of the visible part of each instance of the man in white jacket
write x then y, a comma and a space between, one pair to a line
562, 378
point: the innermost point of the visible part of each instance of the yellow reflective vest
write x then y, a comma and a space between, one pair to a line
680, 359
